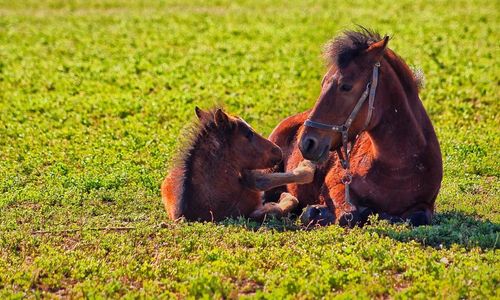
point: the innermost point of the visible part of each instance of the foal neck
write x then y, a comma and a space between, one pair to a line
213, 167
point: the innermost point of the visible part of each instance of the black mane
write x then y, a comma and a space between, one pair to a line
344, 48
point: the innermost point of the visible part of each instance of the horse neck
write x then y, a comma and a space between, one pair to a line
399, 134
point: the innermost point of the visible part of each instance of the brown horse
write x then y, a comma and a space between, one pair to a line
375, 144
216, 175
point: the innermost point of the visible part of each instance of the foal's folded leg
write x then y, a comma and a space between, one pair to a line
285, 205
302, 174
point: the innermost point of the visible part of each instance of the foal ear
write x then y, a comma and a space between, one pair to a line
376, 50
201, 114
221, 118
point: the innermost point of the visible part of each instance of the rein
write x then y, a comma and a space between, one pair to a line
369, 93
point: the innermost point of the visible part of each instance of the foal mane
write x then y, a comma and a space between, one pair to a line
191, 137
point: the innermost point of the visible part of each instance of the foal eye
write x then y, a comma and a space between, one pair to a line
345, 87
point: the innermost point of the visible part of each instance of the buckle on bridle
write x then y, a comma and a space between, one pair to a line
348, 216
346, 179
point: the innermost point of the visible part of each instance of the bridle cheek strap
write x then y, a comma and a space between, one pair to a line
369, 93
373, 90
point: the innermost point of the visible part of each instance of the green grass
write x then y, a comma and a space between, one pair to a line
93, 95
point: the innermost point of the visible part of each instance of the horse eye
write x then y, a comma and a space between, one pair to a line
345, 87
249, 135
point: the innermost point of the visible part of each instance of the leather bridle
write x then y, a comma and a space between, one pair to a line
369, 94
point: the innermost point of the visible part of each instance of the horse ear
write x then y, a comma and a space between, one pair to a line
221, 118
201, 114
376, 50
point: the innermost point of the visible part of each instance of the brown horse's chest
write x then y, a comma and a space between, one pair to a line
392, 190
307, 194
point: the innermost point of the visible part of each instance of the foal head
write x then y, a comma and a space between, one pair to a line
238, 142
352, 60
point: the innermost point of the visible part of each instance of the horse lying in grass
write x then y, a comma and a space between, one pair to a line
377, 147
218, 175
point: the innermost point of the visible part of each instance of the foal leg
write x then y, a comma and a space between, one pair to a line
302, 174
285, 205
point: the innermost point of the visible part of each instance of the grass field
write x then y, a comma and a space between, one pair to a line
94, 94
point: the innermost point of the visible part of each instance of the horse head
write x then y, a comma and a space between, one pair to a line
345, 106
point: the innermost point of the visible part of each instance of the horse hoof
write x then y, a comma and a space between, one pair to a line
317, 215
349, 219
419, 218
364, 214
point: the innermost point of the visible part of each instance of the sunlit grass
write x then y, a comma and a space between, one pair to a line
94, 94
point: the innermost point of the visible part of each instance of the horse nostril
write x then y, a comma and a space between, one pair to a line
309, 144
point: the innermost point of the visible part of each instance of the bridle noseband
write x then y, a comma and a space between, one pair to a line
369, 93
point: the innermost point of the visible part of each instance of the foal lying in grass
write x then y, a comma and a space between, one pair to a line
218, 176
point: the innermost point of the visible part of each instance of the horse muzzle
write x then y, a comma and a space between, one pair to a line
314, 148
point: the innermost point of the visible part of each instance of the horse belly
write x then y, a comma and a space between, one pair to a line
395, 199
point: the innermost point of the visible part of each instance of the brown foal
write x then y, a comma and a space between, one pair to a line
218, 175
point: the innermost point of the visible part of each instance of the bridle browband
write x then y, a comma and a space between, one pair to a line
369, 94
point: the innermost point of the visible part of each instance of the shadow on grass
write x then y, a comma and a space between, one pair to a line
447, 229
284, 224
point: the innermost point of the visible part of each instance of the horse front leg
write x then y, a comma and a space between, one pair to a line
414, 218
262, 181
286, 204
